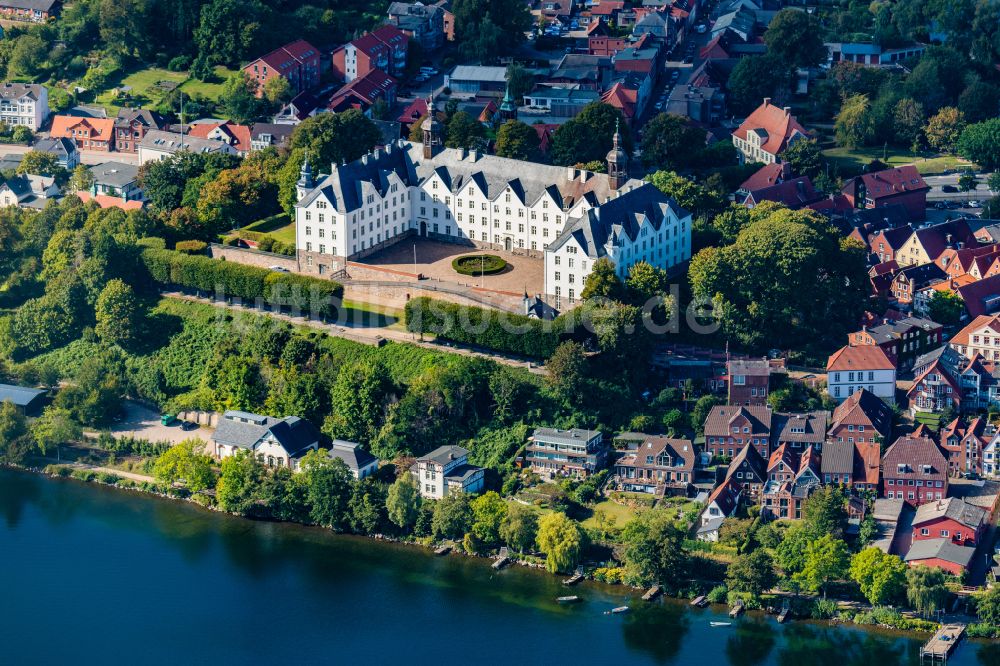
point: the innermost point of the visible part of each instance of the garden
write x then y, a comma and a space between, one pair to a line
479, 264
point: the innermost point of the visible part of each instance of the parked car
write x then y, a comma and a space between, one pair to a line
701, 29
278, 269
975, 204
949, 188
189, 425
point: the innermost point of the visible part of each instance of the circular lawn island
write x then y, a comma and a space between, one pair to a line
479, 264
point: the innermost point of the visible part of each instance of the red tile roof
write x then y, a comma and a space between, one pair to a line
795, 193
237, 136
767, 175
779, 125
859, 358
980, 322
108, 201
283, 57
882, 184
976, 294
102, 129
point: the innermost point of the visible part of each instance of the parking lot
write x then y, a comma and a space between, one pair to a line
143, 422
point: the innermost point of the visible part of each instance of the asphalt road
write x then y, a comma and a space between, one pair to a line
86, 156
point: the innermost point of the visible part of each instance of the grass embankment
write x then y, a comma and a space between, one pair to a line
851, 161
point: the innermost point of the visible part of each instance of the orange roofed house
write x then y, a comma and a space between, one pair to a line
766, 132
867, 367
88, 133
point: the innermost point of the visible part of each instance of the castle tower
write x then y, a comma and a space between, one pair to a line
305, 182
432, 131
617, 162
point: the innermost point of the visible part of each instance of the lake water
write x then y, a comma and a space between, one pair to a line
92, 574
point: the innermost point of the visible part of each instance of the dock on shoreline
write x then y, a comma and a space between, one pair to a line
939, 647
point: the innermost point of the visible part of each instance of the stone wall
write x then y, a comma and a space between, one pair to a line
242, 255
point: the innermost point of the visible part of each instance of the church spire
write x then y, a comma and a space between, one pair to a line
617, 161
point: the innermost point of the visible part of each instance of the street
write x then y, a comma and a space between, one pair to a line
981, 193
89, 157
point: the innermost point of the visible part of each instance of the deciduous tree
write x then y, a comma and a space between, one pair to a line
944, 129
561, 540
518, 141
519, 527
117, 313
882, 577
826, 560
752, 573
403, 502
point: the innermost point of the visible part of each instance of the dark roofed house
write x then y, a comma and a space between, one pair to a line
950, 518
907, 282
940, 553
902, 340
729, 428
265, 135
862, 417
445, 470
36, 11
902, 185
911, 460
63, 148
749, 469
361, 463
794, 193
274, 442
748, 381
800, 431
27, 400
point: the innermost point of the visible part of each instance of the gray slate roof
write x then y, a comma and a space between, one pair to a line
953, 508
941, 549
116, 174
444, 454
244, 430
574, 436
172, 142
838, 458
59, 146
352, 454
19, 90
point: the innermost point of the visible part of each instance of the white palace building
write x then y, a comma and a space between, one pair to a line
568, 217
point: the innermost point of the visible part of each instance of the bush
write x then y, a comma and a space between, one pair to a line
502, 331
152, 242
247, 283
983, 630
191, 246
479, 264
21, 134
610, 575
824, 609
179, 63
718, 594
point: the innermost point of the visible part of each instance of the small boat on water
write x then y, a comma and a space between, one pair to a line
719, 624
574, 579
700, 601
568, 600
620, 609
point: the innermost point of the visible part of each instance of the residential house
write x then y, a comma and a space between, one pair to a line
723, 502
302, 106
951, 518
36, 11
800, 431
791, 479
88, 133
774, 173
977, 262
749, 381
852, 368
473, 80
28, 191
445, 470
364, 92
577, 70
64, 149
981, 296
428, 24
272, 441
964, 442
902, 185
729, 428
228, 132
575, 453
794, 193
902, 340
872, 55
267, 135
980, 337
749, 469
991, 458
914, 470
562, 103
853, 465
709, 531
935, 390
926, 244
863, 224
361, 463
601, 41
766, 132
158, 145
116, 179
887, 243
654, 464
133, 124
297, 62
912, 279
862, 417
23, 104
384, 50
27, 400
702, 104
940, 553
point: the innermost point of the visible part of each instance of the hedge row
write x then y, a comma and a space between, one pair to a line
483, 327
247, 283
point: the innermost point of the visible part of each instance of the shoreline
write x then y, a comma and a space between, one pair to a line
137, 487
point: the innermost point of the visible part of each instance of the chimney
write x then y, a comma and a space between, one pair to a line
788, 110
473, 155
570, 173
786, 170
584, 174
947, 239
767, 101
364, 158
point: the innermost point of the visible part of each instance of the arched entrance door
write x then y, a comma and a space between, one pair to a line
508, 243
423, 228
